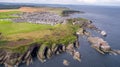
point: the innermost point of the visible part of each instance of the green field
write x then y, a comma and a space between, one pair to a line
7, 15
9, 28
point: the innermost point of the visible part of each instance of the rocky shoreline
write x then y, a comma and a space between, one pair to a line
96, 42
10, 59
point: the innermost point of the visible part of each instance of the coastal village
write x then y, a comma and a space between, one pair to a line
40, 18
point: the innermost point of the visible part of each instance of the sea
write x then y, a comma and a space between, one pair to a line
106, 18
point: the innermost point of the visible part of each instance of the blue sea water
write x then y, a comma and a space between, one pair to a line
104, 17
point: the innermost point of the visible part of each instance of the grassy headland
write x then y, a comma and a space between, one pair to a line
42, 31
18, 35
45, 34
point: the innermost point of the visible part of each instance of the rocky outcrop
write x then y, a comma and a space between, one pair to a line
76, 44
41, 53
9, 59
103, 33
3, 53
83, 32
72, 51
65, 62
77, 56
47, 52
115, 52
99, 44
13, 59
69, 12
102, 46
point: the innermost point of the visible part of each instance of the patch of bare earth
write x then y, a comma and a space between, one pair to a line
32, 9
8, 10
18, 43
26, 9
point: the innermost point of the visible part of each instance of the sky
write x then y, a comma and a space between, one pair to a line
76, 2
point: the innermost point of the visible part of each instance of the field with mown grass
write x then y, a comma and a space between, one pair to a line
8, 15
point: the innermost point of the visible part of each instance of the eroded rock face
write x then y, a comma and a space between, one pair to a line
27, 58
9, 59
76, 44
41, 54
70, 49
3, 53
47, 52
12, 59
99, 44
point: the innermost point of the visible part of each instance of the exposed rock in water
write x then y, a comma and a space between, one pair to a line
115, 52
73, 52
99, 44
103, 33
65, 62
102, 46
76, 56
